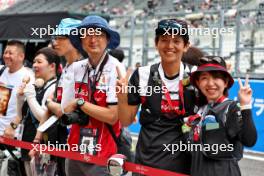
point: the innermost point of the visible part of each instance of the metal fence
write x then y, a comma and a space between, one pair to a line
236, 35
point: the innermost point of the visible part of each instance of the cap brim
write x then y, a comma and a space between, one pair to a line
114, 37
207, 69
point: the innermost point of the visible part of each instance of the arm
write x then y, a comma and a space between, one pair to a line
104, 114
240, 124
126, 112
249, 132
49, 93
38, 111
54, 107
20, 99
128, 102
9, 131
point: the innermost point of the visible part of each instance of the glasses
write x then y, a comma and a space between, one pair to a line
59, 37
169, 24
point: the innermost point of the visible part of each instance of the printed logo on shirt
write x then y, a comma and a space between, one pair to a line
165, 107
5, 93
81, 91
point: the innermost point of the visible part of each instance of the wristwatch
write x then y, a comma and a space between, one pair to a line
13, 125
80, 102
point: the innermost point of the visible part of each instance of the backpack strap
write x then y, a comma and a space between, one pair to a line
111, 130
155, 99
221, 110
10, 151
2, 70
151, 109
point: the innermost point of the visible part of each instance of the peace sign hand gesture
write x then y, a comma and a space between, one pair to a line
245, 92
122, 85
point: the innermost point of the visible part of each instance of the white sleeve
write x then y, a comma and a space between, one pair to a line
68, 87
111, 98
39, 111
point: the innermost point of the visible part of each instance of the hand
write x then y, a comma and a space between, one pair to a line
9, 132
71, 106
21, 88
245, 92
122, 85
32, 153
51, 96
30, 91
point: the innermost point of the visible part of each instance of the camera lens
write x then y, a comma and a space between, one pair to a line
76, 117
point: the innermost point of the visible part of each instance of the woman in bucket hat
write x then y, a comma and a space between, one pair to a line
94, 81
225, 126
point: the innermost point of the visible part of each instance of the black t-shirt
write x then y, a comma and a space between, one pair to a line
158, 138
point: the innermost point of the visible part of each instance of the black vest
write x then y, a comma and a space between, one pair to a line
151, 109
219, 136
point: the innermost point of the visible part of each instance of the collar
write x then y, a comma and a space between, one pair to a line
180, 74
98, 65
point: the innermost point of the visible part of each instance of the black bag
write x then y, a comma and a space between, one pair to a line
123, 142
15, 168
15, 165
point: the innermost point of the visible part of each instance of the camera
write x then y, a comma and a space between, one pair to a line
75, 117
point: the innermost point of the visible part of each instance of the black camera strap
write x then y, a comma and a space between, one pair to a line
93, 89
111, 130
96, 77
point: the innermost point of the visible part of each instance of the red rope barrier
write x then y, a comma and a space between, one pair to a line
135, 168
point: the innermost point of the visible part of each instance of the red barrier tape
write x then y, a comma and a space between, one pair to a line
135, 168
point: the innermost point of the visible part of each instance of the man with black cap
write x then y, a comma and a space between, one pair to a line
162, 109
94, 82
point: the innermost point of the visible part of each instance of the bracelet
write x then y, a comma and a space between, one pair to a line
244, 107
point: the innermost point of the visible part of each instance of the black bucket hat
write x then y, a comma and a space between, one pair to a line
212, 63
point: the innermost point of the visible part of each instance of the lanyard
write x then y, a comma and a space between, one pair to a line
221, 99
168, 98
91, 83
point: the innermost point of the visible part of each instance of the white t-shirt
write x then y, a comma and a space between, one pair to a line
171, 84
15, 80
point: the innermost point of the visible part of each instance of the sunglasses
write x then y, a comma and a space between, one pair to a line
169, 24
215, 59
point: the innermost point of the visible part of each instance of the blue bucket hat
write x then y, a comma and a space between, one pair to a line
66, 25
94, 21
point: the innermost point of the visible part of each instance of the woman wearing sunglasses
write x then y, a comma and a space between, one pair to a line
225, 126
